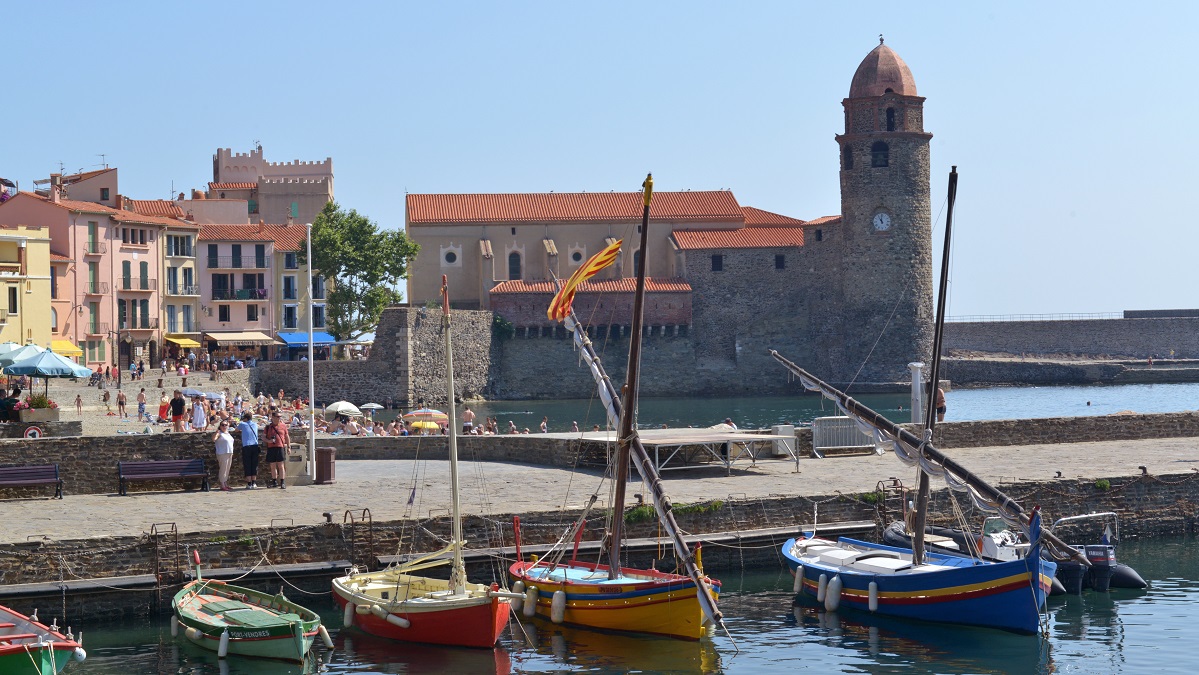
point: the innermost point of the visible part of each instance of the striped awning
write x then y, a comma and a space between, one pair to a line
65, 348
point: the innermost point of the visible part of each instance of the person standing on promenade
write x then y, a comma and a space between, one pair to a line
224, 454
277, 442
468, 420
250, 450
121, 405
940, 404
177, 406
141, 406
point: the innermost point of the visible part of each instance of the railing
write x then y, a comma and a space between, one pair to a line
239, 294
96, 248
142, 323
138, 284
96, 288
231, 262
97, 329
983, 318
178, 289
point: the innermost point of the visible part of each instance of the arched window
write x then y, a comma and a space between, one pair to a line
847, 157
53, 319
890, 119
878, 154
514, 265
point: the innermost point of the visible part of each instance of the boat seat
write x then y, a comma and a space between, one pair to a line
18, 636
839, 556
7, 625
883, 565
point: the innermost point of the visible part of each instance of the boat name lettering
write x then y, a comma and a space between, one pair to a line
249, 634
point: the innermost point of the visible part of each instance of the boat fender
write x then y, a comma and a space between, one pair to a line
558, 607
79, 654
174, 626
193, 634
347, 617
390, 618
530, 607
222, 649
518, 587
873, 596
798, 585
832, 596
362, 609
324, 633
821, 587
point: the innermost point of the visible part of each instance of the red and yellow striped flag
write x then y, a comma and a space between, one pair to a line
560, 305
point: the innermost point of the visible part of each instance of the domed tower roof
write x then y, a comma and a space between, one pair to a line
880, 72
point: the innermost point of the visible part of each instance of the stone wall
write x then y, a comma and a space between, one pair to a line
1032, 371
1137, 338
60, 428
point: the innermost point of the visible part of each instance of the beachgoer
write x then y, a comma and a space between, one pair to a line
729, 421
199, 418
79, 403
468, 420
574, 427
164, 407
277, 442
250, 450
177, 406
141, 406
940, 404
545, 424
121, 405
224, 454
512, 428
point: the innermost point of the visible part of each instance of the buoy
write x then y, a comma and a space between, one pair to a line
517, 603
873, 602
324, 633
193, 634
174, 626
798, 585
530, 607
222, 649
362, 609
558, 607
832, 596
347, 617
821, 587
79, 654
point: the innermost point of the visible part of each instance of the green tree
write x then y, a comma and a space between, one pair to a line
365, 263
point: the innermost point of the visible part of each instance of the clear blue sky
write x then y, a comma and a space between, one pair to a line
1074, 125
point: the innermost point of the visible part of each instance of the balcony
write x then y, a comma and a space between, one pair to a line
239, 294
244, 262
141, 323
95, 248
182, 290
96, 288
97, 329
138, 284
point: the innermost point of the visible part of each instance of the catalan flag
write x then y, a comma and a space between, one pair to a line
560, 305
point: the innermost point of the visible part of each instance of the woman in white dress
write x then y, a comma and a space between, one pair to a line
199, 420
224, 454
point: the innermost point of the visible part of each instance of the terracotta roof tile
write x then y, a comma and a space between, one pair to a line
76, 177
824, 220
58, 257
286, 237
624, 285
155, 207
746, 237
694, 207
757, 217
119, 215
232, 186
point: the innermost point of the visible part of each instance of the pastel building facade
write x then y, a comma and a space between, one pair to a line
273, 191
26, 313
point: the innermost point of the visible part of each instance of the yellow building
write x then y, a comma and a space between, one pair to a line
25, 312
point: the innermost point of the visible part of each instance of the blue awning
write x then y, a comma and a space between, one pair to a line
319, 339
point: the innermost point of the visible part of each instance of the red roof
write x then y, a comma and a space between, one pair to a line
155, 207
119, 215
824, 220
286, 237
756, 217
58, 257
623, 285
233, 186
695, 207
84, 175
746, 237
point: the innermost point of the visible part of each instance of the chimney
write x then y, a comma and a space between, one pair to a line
182, 196
55, 187
196, 194
120, 205
288, 223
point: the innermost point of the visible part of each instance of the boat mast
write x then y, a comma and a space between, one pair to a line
921, 519
458, 573
629, 395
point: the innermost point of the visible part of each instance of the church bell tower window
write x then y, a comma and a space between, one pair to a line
879, 154
847, 157
890, 119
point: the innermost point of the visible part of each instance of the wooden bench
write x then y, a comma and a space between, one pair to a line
161, 470
27, 476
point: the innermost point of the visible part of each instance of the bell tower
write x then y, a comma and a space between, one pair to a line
886, 231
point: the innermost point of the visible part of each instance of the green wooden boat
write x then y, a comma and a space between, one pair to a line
30, 647
230, 619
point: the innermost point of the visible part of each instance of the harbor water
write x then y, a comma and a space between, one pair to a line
1123, 631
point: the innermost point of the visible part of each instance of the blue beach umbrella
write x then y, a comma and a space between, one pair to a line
47, 364
19, 354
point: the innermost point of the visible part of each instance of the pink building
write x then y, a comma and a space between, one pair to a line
108, 299
237, 288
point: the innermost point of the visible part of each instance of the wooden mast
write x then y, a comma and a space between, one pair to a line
458, 572
920, 521
629, 394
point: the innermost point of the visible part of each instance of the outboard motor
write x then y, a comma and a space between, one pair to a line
1103, 565
1071, 574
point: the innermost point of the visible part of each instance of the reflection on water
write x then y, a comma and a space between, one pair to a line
1124, 631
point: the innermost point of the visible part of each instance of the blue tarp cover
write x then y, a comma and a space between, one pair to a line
319, 339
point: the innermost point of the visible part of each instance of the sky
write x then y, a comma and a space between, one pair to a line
1071, 123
